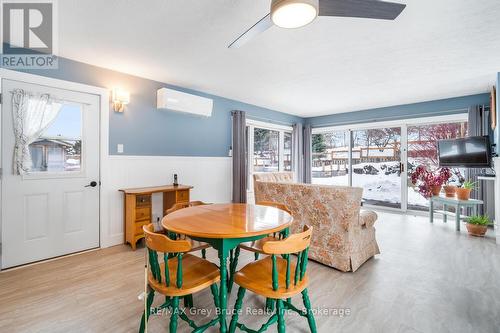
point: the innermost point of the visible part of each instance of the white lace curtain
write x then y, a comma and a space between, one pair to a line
32, 115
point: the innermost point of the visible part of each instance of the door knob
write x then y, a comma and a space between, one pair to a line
92, 184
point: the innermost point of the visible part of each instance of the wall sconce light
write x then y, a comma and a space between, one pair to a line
120, 98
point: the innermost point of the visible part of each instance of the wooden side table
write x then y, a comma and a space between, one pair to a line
458, 204
138, 207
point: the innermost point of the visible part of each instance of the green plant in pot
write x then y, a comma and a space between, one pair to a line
478, 225
463, 192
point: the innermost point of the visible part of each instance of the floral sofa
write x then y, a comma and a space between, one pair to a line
343, 236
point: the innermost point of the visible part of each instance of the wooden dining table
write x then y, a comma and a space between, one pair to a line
225, 226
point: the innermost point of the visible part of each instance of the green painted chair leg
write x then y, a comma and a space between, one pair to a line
281, 316
188, 301
237, 308
232, 269
175, 314
270, 304
204, 253
215, 294
145, 315
256, 255
310, 315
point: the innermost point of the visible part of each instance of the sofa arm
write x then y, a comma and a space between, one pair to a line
367, 218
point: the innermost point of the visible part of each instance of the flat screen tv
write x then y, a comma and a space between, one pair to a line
471, 152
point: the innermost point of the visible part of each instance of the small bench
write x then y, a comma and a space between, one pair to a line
458, 204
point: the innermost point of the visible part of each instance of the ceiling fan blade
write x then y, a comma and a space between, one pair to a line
261, 26
373, 9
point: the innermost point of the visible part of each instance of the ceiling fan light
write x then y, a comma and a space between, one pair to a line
293, 13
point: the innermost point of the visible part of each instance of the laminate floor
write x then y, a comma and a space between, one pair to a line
428, 278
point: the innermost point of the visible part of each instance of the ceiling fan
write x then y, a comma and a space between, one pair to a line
298, 13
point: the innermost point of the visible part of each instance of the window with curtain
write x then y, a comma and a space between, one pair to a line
48, 133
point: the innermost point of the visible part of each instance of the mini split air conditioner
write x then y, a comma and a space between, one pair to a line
183, 102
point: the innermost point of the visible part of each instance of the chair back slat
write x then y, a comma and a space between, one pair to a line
167, 271
287, 277
304, 263
179, 270
297, 268
275, 273
154, 265
158, 242
297, 244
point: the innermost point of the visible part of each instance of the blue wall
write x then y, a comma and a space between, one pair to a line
145, 130
423, 109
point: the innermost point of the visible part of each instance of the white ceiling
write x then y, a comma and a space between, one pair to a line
435, 49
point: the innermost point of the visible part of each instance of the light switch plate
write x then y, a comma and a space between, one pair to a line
119, 148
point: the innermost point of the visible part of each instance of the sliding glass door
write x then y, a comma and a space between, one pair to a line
422, 150
380, 158
376, 165
330, 158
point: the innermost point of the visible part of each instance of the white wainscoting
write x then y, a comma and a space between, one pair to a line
210, 176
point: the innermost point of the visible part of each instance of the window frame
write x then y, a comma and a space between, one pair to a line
251, 124
82, 173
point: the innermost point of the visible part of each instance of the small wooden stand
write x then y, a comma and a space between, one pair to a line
138, 207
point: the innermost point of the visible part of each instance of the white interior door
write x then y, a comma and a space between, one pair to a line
53, 208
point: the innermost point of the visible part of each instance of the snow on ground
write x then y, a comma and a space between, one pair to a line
381, 187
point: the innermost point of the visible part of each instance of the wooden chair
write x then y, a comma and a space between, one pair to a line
255, 246
179, 275
272, 277
195, 245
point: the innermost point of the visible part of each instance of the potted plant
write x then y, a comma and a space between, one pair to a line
463, 192
429, 183
449, 190
478, 225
